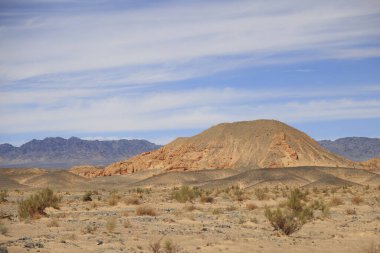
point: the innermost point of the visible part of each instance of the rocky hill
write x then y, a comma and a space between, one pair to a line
63, 153
354, 148
240, 145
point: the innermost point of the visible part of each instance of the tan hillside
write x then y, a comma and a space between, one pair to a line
248, 144
373, 163
88, 171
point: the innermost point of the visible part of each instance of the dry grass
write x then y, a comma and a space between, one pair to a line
251, 206
34, 206
3, 196
335, 201
53, 223
357, 200
3, 229
111, 224
132, 201
350, 211
145, 211
89, 229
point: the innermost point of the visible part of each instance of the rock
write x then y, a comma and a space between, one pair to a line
3, 250
99, 242
249, 144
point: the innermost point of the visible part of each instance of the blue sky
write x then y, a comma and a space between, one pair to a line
162, 69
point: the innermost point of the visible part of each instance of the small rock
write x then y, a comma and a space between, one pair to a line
99, 242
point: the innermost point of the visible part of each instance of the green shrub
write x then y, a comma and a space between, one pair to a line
185, 193
293, 216
3, 196
34, 206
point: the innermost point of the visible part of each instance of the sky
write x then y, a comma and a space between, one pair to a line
158, 70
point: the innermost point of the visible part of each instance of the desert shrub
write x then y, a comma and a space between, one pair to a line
52, 223
350, 211
186, 193
3, 229
217, 211
322, 206
335, 201
87, 196
260, 194
236, 193
357, 200
113, 198
294, 214
34, 206
127, 224
189, 208
89, 229
170, 247
251, 206
111, 224
207, 199
3, 196
145, 210
231, 208
132, 201
155, 247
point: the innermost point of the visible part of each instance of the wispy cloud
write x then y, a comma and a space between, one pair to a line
171, 37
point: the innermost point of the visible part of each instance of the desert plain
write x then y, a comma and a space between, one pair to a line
196, 211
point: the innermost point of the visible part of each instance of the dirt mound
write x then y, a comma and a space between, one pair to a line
56, 179
249, 144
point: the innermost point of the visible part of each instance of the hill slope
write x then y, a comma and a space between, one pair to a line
354, 148
64, 153
249, 144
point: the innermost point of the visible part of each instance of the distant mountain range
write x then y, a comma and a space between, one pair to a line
56, 152
354, 148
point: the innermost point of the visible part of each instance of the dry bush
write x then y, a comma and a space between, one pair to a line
322, 206
231, 208
207, 199
168, 247
251, 206
350, 211
132, 201
111, 224
145, 210
114, 198
189, 208
335, 201
87, 196
261, 194
357, 200
34, 206
293, 217
3, 229
185, 193
53, 223
3, 196
127, 224
217, 211
89, 229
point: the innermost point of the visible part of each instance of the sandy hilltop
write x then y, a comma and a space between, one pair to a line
239, 145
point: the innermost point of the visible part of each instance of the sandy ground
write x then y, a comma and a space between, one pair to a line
225, 225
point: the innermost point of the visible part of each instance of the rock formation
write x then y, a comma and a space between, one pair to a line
249, 144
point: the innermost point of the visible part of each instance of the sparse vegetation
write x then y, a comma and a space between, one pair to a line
350, 211
251, 206
53, 223
3, 229
145, 210
293, 217
260, 194
34, 206
168, 247
3, 196
114, 198
357, 200
335, 201
134, 200
185, 193
111, 224
87, 196
89, 229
